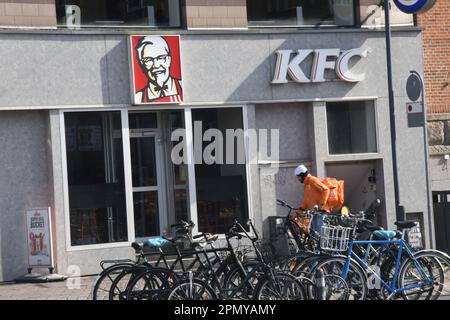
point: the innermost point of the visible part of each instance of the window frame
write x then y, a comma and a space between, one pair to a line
182, 25
377, 140
356, 21
192, 194
192, 191
127, 181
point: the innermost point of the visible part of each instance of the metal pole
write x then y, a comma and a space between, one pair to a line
399, 210
426, 153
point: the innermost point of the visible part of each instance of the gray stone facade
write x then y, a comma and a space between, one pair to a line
53, 71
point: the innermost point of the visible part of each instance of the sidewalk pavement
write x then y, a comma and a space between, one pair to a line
70, 289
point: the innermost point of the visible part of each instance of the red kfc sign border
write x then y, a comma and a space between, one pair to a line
156, 76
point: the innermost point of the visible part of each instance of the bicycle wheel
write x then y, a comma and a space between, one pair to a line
194, 289
444, 260
336, 288
356, 278
120, 284
425, 275
305, 267
102, 284
151, 284
235, 278
292, 262
221, 269
279, 286
444, 263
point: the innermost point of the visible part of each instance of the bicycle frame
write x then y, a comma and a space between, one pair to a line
385, 243
262, 265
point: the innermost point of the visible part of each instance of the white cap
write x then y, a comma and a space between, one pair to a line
300, 169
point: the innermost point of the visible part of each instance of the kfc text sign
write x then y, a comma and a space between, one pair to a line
156, 69
323, 59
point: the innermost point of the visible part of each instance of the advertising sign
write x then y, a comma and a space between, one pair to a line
39, 237
155, 70
414, 6
415, 237
288, 62
416, 117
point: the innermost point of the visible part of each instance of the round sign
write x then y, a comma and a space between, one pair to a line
414, 6
413, 87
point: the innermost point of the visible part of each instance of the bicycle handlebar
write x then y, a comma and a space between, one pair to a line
183, 224
136, 246
250, 224
284, 204
237, 228
168, 239
230, 235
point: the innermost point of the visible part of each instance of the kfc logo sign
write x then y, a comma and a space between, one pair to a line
156, 69
323, 59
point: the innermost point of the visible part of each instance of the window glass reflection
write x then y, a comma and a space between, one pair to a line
95, 177
310, 13
151, 13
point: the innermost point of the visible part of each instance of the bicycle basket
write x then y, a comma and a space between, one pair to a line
334, 238
267, 252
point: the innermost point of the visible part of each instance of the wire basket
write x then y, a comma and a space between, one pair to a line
267, 252
334, 238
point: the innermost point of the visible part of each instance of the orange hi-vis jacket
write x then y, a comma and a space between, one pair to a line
315, 193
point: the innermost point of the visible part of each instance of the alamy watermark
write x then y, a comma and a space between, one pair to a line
73, 16
226, 146
373, 279
74, 280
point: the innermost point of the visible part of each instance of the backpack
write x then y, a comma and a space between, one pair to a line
336, 198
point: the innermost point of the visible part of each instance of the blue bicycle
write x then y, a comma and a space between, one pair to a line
413, 275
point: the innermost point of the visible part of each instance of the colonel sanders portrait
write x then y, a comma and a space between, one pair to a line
155, 59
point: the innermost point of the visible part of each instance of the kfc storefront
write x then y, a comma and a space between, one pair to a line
140, 131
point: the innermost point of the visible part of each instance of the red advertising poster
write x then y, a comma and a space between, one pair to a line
156, 69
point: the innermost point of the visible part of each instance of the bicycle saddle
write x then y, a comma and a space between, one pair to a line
405, 224
136, 246
157, 242
384, 234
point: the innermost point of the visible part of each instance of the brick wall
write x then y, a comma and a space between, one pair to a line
28, 13
216, 13
436, 41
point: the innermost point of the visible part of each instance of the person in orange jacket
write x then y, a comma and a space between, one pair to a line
315, 193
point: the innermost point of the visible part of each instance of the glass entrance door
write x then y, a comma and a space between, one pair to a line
147, 176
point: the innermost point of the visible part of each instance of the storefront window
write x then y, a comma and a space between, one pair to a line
351, 127
221, 188
179, 180
95, 177
150, 13
146, 211
143, 120
308, 13
159, 186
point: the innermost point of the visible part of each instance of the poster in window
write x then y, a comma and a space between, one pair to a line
156, 69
